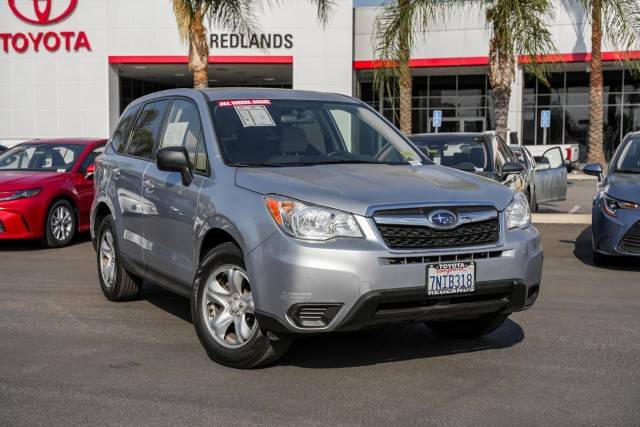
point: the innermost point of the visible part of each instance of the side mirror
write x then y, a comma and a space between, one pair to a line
89, 172
593, 169
175, 159
512, 167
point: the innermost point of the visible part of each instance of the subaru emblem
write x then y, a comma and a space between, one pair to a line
443, 218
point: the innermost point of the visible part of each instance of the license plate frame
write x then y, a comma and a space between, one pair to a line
455, 281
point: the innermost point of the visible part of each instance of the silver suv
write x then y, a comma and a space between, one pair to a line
283, 213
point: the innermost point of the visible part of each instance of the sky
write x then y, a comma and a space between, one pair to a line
360, 3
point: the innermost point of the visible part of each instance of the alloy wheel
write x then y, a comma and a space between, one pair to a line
107, 259
228, 308
61, 223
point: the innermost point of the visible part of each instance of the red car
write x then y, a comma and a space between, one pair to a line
46, 189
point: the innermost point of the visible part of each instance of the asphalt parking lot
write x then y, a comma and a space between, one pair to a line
68, 356
579, 198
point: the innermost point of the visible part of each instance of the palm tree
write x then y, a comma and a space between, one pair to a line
518, 27
235, 15
619, 21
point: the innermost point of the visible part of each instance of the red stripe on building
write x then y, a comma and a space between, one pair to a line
484, 60
145, 59
582, 57
425, 62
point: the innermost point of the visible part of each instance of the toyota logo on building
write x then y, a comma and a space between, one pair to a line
443, 219
43, 12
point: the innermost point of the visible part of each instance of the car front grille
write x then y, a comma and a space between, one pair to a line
631, 241
422, 237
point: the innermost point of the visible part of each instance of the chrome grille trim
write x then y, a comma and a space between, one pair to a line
440, 258
423, 220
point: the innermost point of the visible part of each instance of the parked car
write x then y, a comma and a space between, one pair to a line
46, 189
616, 206
547, 179
570, 153
285, 213
480, 153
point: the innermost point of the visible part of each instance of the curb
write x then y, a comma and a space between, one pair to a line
581, 177
564, 218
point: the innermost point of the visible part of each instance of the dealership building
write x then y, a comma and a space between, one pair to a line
69, 67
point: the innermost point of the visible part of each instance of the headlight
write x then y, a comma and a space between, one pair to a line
311, 222
610, 205
21, 194
518, 213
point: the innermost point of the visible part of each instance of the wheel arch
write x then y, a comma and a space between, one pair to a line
100, 212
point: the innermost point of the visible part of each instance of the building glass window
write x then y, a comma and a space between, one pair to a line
567, 97
462, 99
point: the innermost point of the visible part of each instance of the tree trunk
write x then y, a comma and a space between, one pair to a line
501, 99
501, 74
595, 152
198, 52
405, 78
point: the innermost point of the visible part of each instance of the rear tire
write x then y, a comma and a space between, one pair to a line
222, 308
468, 329
61, 225
116, 282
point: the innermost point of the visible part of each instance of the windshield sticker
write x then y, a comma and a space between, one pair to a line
233, 103
415, 162
254, 115
61, 170
174, 135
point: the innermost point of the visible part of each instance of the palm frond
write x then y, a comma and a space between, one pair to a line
234, 15
521, 27
396, 27
184, 13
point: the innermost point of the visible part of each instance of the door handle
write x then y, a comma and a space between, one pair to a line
115, 173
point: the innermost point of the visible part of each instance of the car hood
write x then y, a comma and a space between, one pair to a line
624, 186
25, 180
355, 188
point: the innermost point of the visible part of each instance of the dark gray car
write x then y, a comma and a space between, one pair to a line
283, 213
484, 154
616, 206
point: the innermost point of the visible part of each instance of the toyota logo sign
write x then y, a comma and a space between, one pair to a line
43, 12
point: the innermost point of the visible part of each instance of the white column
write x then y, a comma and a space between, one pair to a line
515, 104
114, 98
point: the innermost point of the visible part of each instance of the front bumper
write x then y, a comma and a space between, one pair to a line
14, 224
608, 232
367, 284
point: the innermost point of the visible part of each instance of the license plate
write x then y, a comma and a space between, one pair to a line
451, 278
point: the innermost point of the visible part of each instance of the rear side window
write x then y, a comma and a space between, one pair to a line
120, 136
147, 129
184, 130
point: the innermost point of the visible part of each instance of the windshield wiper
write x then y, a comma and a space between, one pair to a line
632, 171
262, 165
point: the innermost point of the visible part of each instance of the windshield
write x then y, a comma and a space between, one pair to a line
41, 157
465, 153
297, 133
629, 160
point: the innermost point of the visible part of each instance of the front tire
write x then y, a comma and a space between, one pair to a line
468, 329
222, 309
116, 282
61, 225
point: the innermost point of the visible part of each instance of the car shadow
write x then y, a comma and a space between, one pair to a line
391, 343
36, 245
584, 252
166, 300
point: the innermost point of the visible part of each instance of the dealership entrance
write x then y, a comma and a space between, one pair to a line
139, 79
